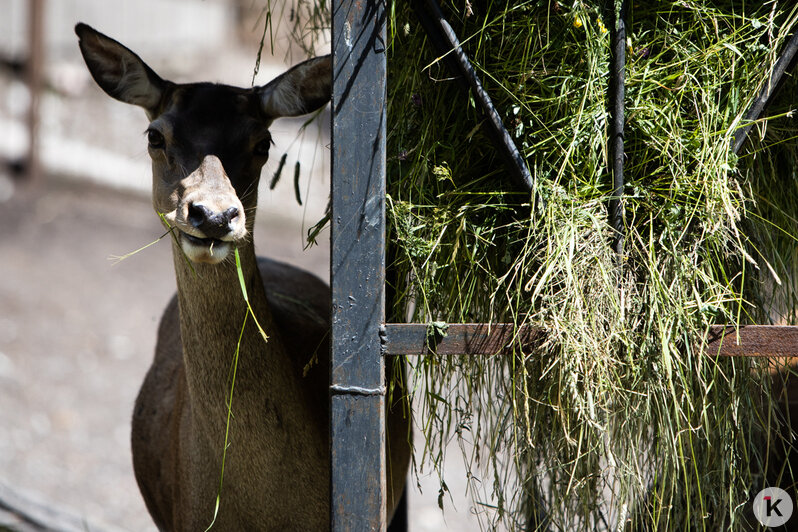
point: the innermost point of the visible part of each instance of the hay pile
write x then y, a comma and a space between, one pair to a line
617, 418
618, 415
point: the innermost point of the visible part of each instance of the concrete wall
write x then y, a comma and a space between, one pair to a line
86, 135
147, 25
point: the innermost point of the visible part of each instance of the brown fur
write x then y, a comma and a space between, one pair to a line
206, 143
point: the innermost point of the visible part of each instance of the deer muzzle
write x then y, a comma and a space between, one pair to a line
209, 217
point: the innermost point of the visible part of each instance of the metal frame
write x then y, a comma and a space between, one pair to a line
360, 338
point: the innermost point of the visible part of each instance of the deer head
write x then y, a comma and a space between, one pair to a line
208, 142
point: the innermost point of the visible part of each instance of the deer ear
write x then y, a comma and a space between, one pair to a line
118, 71
302, 89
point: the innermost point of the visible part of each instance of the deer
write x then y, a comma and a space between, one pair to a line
208, 143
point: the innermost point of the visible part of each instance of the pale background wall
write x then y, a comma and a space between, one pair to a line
86, 135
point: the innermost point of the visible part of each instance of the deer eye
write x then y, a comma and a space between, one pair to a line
261, 149
155, 139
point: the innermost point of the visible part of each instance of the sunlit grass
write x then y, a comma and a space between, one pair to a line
618, 414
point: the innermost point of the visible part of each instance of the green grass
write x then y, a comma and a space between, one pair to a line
619, 403
232, 380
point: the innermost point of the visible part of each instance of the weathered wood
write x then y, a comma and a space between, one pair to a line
484, 339
358, 474
34, 76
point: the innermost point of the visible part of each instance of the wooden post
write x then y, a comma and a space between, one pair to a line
358, 485
34, 68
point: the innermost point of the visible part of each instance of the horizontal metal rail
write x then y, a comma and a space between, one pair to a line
485, 339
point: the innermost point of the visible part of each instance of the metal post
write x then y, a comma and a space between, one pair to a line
34, 80
357, 444
616, 105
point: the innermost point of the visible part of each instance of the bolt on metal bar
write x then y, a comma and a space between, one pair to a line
357, 401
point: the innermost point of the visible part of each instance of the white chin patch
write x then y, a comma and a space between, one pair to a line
212, 252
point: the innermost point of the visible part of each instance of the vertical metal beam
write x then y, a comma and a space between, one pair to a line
357, 443
34, 79
616, 105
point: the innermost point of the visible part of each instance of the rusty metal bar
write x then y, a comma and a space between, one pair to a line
460, 338
753, 341
485, 339
357, 261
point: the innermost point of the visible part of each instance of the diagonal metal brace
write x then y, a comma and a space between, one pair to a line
446, 43
782, 65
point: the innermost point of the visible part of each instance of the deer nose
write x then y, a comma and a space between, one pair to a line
213, 224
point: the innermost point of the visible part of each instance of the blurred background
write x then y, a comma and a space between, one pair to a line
77, 330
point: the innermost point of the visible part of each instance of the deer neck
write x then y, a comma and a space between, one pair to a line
212, 317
